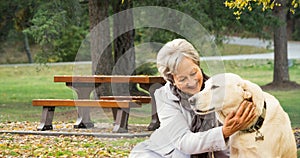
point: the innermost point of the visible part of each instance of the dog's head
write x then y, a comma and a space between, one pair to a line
224, 93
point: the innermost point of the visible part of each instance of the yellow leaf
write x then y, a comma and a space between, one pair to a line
292, 11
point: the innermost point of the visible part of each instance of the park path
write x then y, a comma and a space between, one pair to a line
293, 49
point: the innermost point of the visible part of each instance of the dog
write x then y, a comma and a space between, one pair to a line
269, 136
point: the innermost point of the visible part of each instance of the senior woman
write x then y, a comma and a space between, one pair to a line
181, 132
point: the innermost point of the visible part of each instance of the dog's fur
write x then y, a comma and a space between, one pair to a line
224, 93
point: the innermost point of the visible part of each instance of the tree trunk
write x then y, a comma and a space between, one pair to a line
27, 48
101, 51
281, 72
124, 53
290, 28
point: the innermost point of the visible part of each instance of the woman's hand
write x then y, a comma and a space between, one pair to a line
239, 120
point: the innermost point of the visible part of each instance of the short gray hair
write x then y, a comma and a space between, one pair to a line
171, 54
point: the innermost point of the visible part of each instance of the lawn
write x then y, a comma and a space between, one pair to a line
21, 84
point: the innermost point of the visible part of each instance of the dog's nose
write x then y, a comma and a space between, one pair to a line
192, 101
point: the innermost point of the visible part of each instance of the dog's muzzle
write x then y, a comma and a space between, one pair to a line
192, 102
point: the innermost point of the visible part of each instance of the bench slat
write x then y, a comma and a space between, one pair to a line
87, 103
142, 99
108, 79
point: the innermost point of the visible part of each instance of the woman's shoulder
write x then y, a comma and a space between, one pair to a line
165, 92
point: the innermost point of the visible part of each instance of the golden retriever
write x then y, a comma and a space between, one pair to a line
270, 135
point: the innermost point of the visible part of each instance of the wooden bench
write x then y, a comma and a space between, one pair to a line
50, 104
85, 85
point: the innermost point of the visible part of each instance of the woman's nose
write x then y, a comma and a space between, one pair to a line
191, 82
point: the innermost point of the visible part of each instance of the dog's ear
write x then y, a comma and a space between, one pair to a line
247, 95
254, 91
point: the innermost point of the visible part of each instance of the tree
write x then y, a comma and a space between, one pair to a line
281, 73
16, 16
58, 27
281, 77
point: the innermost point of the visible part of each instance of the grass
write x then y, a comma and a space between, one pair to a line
21, 84
233, 49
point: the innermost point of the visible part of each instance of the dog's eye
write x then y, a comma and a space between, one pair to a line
214, 87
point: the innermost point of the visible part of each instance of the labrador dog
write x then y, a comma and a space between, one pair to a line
269, 136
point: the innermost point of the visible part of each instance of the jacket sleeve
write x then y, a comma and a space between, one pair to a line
175, 133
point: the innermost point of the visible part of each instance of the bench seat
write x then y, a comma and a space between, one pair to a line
88, 103
49, 105
142, 99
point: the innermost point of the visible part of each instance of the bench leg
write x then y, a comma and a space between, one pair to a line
154, 124
47, 118
114, 112
121, 120
83, 119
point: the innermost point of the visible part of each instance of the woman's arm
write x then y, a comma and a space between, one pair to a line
175, 131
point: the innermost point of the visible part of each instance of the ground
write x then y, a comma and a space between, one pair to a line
290, 85
78, 144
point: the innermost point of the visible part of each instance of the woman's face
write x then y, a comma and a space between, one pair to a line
188, 77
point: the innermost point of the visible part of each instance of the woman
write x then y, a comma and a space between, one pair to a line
181, 132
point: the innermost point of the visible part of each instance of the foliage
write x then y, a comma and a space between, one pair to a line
64, 146
20, 145
7, 10
147, 69
295, 18
14, 17
215, 17
241, 5
59, 28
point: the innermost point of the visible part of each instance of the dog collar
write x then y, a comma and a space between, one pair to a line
259, 121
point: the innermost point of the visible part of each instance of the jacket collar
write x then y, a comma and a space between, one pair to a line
170, 95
